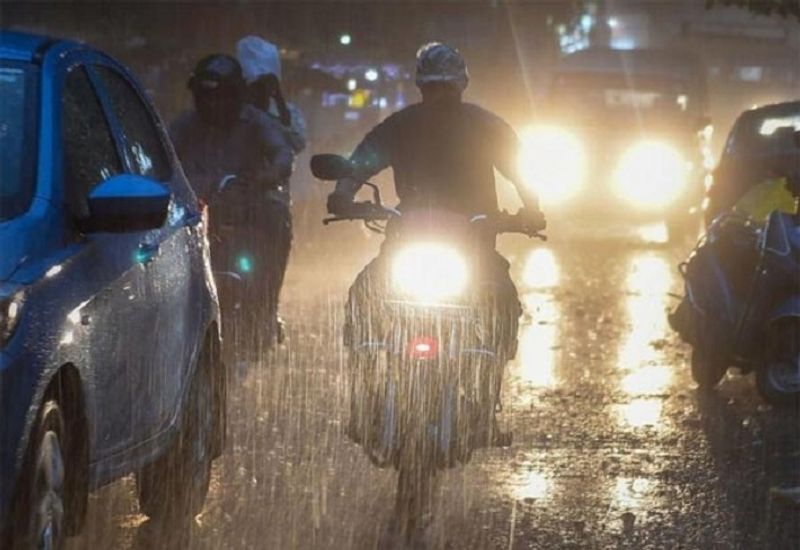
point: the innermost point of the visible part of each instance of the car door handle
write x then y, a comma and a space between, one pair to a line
146, 252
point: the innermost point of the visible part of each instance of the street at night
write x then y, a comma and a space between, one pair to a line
613, 447
486, 274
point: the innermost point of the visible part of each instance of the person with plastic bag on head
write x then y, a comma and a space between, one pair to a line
261, 63
239, 161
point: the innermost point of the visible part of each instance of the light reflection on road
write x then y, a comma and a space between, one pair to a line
630, 492
641, 361
536, 358
640, 412
530, 483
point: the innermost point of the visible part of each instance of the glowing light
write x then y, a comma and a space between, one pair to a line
352, 84
53, 271
654, 233
530, 484
650, 275
640, 413
423, 348
652, 379
345, 39
244, 264
651, 174
371, 75
429, 271
541, 269
771, 125
141, 256
537, 356
629, 492
553, 161
649, 280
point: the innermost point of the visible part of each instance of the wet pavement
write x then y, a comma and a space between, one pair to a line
613, 447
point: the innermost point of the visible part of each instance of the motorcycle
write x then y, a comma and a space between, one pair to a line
742, 304
427, 345
239, 270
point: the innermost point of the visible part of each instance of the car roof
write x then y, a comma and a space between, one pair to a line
22, 46
786, 108
674, 64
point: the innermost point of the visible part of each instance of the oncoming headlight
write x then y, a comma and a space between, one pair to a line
553, 161
651, 174
429, 272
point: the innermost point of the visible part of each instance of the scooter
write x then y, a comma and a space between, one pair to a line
742, 304
239, 272
427, 346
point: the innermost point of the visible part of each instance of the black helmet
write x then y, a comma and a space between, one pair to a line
217, 71
218, 87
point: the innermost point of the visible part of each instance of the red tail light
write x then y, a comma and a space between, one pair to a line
423, 347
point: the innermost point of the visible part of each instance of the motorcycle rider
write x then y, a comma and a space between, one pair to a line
443, 152
223, 136
261, 64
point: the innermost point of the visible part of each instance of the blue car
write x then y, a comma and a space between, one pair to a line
109, 322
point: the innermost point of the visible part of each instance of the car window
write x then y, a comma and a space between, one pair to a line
143, 148
17, 138
90, 156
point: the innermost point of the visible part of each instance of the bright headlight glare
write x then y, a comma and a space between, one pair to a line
651, 174
429, 272
553, 161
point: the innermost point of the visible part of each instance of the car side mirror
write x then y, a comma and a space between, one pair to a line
331, 167
126, 203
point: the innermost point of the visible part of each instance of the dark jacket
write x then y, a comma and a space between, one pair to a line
246, 149
443, 154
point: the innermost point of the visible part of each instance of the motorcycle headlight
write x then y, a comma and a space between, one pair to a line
10, 313
651, 174
429, 272
553, 161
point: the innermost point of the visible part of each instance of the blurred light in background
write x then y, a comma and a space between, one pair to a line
553, 162
345, 39
371, 75
651, 174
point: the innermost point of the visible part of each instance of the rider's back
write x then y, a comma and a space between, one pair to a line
443, 154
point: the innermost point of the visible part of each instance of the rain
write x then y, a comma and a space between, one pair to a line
391, 424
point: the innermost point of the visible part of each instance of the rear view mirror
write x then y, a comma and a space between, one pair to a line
331, 167
127, 203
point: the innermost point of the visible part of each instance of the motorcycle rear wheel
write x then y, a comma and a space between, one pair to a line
707, 371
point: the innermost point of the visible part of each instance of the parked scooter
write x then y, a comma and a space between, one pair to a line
426, 362
742, 303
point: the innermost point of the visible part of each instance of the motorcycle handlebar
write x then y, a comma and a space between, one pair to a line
503, 222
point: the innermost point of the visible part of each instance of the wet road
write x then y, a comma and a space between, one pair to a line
613, 447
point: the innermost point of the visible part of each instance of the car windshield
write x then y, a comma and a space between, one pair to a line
766, 133
17, 136
604, 98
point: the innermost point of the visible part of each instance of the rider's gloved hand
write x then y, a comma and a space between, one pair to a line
340, 203
533, 219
